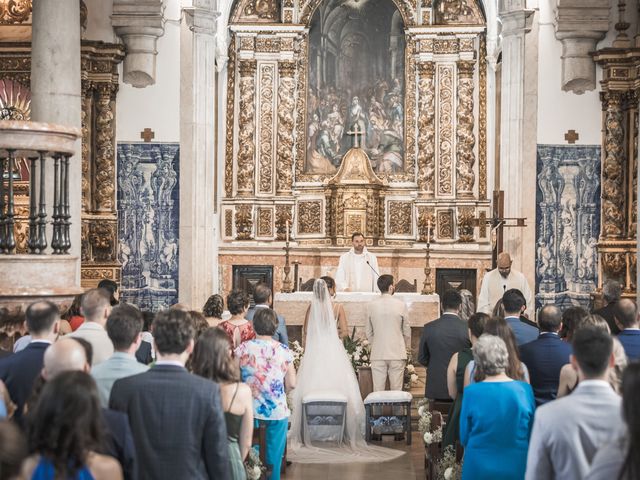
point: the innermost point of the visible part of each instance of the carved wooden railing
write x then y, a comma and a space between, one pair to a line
39, 143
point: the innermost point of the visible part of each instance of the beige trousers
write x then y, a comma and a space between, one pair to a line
381, 368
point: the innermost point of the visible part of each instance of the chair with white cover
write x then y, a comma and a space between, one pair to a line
324, 416
395, 398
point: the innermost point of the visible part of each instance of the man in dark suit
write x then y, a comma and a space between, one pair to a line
514, 305
626, 316
18, 371
440, 339
176, 418
611, 291
545, 356
262, 297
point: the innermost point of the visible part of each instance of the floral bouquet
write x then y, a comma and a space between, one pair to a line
447, 468
359, 351
297, 351
410, 378
253, 465
429, 435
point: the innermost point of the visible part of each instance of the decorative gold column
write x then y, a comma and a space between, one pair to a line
426, 129
286, 104
465, 139
246, 129
613, 168
104, 173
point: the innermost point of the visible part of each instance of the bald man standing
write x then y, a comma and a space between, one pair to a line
498, 281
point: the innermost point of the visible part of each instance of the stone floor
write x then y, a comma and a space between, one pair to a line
407, 467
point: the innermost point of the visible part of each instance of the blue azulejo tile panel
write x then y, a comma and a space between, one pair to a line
568, 223
148, 222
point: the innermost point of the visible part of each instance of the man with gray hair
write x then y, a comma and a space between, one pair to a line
611, 291
96, 308
263, 298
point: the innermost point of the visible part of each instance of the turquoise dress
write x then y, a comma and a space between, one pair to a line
45, 471
495, 425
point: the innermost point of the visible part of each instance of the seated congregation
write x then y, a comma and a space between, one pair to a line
110, 392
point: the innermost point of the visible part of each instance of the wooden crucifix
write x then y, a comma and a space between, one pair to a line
355, 132
498, 222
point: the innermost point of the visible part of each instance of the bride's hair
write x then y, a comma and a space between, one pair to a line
320, 290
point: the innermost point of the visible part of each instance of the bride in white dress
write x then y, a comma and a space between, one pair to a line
326, 369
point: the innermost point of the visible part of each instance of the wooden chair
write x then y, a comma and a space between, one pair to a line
433, 452
404, 286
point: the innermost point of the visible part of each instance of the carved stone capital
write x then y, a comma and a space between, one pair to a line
466, 68
247, 68
580, 24
426, 69
139, 24
287, 69
201, 17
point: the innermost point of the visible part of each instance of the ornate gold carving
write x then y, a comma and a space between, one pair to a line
483, 225
465, 157
301, 51
246, 129
228, 223
286, 111
104, 189
465, 12
231, 90
445, 129
482, 122
287, 45
265, 9
268, 45
247, 43
355, 200
466, 45
426, 128
445, 224
103, 240
86, 145
99, 274
443, 46
310, 217
355, 223
265, 222
614, 263
465, 223
15, 101
283, 215
400, 218
426, 45
612, 168
244, 222
14, 11
411, 116
426, 215
16, 67
288, 16
267, 81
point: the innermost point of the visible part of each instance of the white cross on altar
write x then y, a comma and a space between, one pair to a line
355, 132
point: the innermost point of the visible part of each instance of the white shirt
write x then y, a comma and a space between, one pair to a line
96, 335
494, 285
355, 274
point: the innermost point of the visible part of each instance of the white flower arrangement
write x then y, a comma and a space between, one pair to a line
298, 353
253, 466
447, 467
429, 435
411, 378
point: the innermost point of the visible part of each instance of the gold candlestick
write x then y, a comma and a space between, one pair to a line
287, 284
427, 287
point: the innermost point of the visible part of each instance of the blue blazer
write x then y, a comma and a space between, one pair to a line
630, 340
119, 442
544, 357
18, 372
281, 333
524, 333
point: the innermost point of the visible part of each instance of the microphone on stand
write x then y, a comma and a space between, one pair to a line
374, 270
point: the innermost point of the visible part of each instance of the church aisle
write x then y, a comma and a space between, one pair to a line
407, 467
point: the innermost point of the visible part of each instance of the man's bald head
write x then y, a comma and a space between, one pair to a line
549, 318
504, 264
64, 355
626, 314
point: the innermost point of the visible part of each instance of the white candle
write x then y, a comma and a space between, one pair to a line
429, 231
287, 232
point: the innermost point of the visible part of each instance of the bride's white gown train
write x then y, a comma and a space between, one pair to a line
326, 368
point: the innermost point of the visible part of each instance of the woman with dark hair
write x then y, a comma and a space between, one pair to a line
455, 377
199, 323
13, 450
73, 314
212, 359
267, 367
65, 432
338, 312
515, 369
571, 317
238, 328
619, 459
213, 309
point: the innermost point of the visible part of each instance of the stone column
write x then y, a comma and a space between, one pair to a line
56, 90
613, 177
198, 265
513, 171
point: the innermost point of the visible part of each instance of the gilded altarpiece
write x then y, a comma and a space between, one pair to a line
304, 87
617, 245
99, 63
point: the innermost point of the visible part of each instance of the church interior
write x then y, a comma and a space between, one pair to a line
184, 148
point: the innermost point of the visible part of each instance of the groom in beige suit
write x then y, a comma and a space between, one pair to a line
389, 333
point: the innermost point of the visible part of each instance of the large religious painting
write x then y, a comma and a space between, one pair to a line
356, 85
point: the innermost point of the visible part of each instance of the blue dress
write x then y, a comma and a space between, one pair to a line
45, 471
495, 426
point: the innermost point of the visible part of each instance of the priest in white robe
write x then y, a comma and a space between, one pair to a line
358, 269
498, 281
